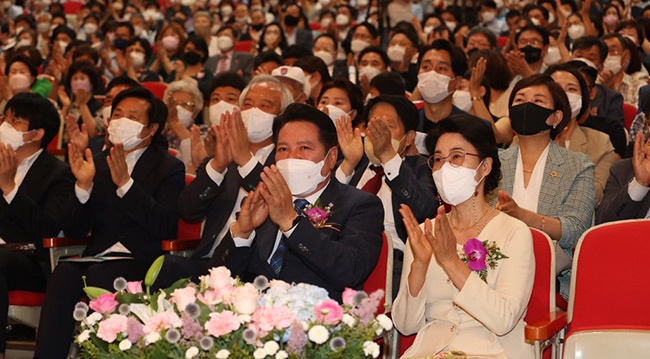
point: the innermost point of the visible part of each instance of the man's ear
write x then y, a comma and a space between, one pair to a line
153, 128
593, 93
37, 135
331, 157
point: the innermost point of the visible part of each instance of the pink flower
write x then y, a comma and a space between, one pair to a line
245, 298
104, 304
210, 297
317, 214
134, 287
222, 323
218, 278
112, 326
267, 318
134, 330
348, 296
161, 321
183, 296
329, 312
475, 252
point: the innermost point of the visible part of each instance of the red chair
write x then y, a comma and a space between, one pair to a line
243, 46
629, 112
157, 88
55, 147
188, 235
382, 276
608, 307
72, 7
501, 41
315, 26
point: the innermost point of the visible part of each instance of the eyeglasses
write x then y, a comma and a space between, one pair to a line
188, 104
533, 42
455, 158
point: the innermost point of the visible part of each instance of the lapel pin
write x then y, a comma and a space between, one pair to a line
553, 174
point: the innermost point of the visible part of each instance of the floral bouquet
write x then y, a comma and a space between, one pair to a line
224, 318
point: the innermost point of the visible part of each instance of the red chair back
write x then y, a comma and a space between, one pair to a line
608, 276
629, 112
378, 276
243, 46
188, 230
542, 299
501, 41
71, 7
156, 88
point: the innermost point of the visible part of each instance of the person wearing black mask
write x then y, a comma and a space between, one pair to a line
291, 25
548, 187
528, 59
194, 55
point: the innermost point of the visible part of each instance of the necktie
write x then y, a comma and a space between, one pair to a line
278, 257
374, 184
223, 64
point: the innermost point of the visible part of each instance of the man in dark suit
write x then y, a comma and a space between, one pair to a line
626, 193
228, 59
382, 165
292, 14
222, 182
35, 187
127, 198
274, 235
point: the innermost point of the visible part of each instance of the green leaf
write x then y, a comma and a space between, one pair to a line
94, 292
154, 270
128, 298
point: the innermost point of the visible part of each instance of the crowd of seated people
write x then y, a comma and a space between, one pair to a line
422, 122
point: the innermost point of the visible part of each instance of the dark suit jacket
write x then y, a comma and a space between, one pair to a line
413, 187
609, 103
304, 38
340, 70
324, 257
146, 215
617, 204
205, 199
240, 61
39, 205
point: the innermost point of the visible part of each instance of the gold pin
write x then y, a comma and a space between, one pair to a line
553, 174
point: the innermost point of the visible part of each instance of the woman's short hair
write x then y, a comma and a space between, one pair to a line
584, 90
188, 86
228, 79
406, 110
477, 133
144, 44
177, 29
200, 45
22, 59
389, 83
355, 96
559, 97
87, 69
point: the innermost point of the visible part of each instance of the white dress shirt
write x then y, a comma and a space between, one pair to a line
528, 197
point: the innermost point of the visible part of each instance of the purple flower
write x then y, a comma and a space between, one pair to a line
475, 252
316, 214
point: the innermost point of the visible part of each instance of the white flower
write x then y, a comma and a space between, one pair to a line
125, 345
281, 355
83, 336
349, 320
191, 352
318, 334
152, 338
93, 318
371, 348
385, 322
271, 347
259, 353
223, 354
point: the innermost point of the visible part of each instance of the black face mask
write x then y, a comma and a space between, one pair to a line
257, 27
291, 20
529, 119
120, 44
191, 58
532, 54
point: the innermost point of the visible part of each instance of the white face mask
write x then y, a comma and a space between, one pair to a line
613, 63
488, 16
396, 53
224, 43
535, 21
335, 112
451, 25
259, 124
184, 116
226, 11
327, 57
138, 59
553, 56
307, 87
358, 45
11, 136
219, 109
125, 131
369, 72
302, 176
106, 112
90, 28
428, 29
434, 87
19, 83
455, 185
551, 17
576, 31
342, 20
576, 103
43, 27
369, 149
23, 42
462, 100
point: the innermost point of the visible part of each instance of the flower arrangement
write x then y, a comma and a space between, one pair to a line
318, 215
453, 354
222, 317
480, 256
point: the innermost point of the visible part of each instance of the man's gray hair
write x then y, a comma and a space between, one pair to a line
287, 97
187, 86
